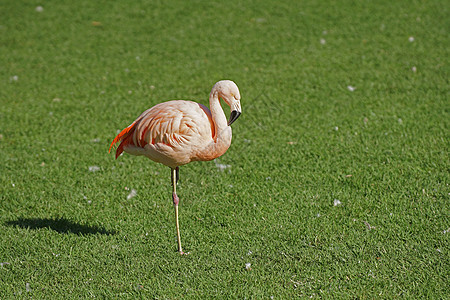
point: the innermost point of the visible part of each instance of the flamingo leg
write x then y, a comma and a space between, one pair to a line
176, 200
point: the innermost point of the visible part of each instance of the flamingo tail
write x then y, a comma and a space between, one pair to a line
125, 137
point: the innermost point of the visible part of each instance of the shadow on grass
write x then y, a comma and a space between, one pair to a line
59, 225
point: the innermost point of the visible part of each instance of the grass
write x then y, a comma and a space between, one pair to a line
75, 73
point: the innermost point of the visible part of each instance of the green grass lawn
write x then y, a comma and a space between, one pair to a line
339, 177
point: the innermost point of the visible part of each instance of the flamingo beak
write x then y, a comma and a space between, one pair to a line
233, 116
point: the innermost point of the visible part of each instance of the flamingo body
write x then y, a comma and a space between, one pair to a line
177, 132
174, 133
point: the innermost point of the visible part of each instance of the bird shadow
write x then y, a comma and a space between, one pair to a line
60, 225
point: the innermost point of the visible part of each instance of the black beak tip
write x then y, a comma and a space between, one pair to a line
233, 117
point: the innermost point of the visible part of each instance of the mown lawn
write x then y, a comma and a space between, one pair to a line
338, 177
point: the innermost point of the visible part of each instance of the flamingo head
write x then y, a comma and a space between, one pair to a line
229, 92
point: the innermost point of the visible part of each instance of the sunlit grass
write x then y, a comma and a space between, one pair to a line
338, 177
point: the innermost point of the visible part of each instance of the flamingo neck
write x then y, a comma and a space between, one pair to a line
222, 138
218, 116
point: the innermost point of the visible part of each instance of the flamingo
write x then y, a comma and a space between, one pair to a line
177, 132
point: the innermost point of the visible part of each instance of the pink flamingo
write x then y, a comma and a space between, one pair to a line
177, 132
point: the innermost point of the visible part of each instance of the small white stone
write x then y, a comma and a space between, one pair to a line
132, 194
39, 9
323, 41
411, 39
14, 78
94, 168
222, 167
336, 128
414, 69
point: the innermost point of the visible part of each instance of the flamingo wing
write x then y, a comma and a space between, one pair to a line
173, 123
